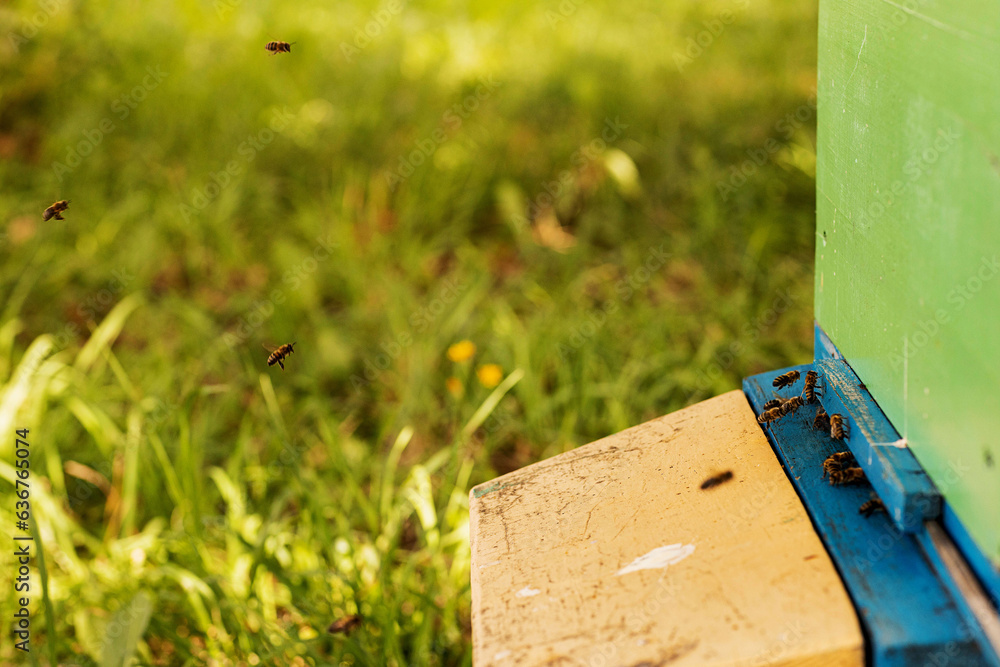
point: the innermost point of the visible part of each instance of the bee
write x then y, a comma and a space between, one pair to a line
837, 427
279, 47
847, 476
786, 380
345, 624
771, 415
278, 355
838, 461
791, 405
716, 480
872, 506
822, 421
55, 210
812, 378
773, 403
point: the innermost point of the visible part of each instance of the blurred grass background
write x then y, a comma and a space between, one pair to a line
197, 507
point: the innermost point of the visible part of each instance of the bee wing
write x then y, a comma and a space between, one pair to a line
269, 348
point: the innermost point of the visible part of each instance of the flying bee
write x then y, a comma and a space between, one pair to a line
822, 421
812, 378
786, 379
716, 480
773, 403
278, 355
837, 427
771, 415
872, 506
837, 462
55, 210
279, 47
345, 624
847, 476
791, 405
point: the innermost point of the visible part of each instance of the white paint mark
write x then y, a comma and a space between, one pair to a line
906, 376
491, 564
527, 592
937, 24
859, 58
500, 655
898, 444
659, 557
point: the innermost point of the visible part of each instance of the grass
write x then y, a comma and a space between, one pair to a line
197, 507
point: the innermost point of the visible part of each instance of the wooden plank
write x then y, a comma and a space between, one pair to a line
908, 494
908, 616
908, 198
734, 574
988, 574
972, 599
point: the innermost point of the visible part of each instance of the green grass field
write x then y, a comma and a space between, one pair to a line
559, 183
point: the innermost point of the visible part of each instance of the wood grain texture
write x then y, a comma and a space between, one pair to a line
906, 610
749, 582
908, 245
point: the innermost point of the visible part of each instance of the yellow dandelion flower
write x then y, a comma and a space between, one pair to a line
454, 386
461, 351
489, 375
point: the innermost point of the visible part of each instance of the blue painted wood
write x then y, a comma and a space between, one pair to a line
907, 614
988, 574
898, 478
908, 493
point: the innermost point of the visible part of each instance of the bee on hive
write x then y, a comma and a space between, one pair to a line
837, 462
773, 403
769, 416
812, 378
786, 379
870, 507
822, 421
791, 405
847, 476
837, 427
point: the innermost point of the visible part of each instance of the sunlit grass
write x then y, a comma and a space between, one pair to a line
455, 319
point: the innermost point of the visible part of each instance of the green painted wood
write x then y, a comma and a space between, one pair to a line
908, 230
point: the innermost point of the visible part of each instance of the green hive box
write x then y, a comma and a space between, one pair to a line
908, 230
